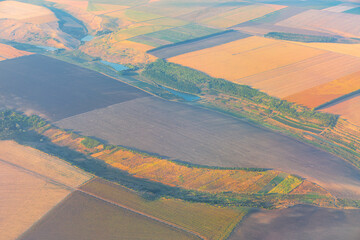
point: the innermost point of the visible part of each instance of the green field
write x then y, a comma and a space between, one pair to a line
209, 221
287, 185
140, 16
183, 33
300, 37
273, 183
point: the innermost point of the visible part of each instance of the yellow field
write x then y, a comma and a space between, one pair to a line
245, 57
8, 52
209, 221
26, 12
25, 198
348, 109
240, 15
300, 76
349, 49
316, 96
42, 163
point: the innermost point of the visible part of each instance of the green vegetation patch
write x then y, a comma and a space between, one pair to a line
183, 33
273, 183
300, 37
287, 185
90, 142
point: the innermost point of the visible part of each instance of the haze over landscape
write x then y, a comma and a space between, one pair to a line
179, 119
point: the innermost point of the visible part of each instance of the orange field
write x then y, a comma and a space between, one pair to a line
8, 52
316, 96
343, 24
348, 109
297, 77
24, 199
349, 49
81, 4
26, 12
42, 163
245, 57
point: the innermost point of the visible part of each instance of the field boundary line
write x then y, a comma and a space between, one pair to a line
142, 214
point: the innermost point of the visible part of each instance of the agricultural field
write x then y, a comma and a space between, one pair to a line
91, 218
303, 75
42, 164
240, 15
26, 12
298, 223
331, 22
31, 178
8, 52
211, 11
324, 93
19, 190
200, 136
341, 8
195, 45
174, 9
245, 57
209, 221
179, 34
347, 109
348, 49
58, 89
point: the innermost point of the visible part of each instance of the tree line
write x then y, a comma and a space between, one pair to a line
195, 82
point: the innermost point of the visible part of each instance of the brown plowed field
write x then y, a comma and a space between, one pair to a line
299, 223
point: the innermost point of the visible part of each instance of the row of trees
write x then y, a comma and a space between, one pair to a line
300, 37
192, 81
